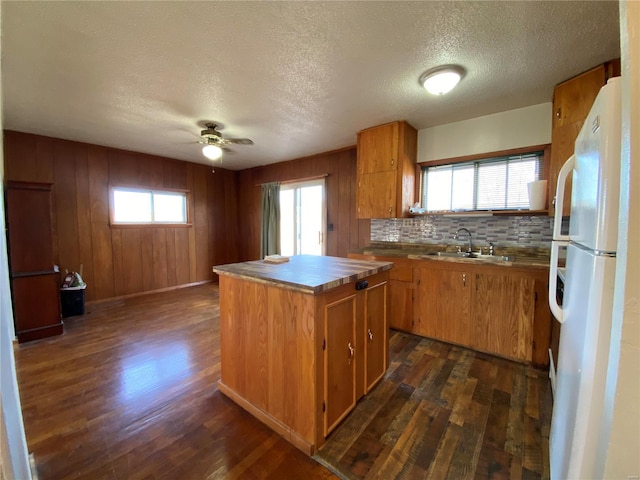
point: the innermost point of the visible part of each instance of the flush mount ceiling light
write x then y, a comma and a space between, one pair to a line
212, 152
441, 80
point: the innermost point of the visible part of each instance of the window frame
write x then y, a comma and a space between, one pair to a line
546, 163
152, 190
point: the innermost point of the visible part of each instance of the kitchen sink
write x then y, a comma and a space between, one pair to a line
449, 254
472, 256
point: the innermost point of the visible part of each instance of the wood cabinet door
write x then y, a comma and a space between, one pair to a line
442, 303
572, 101
36, 306
378, 149
401, 305
339, 361
376, 195
376, 331
503, 314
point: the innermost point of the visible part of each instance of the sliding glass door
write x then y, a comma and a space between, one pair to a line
302, 218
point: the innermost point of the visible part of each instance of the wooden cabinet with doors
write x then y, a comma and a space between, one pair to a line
401, 290
492, 308
339, 360
503, 314
376, 332
443, 302
355, 352
401, 293
386, 170
297, 359
34, 281
572, 100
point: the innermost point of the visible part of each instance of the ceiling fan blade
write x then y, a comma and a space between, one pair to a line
240, 141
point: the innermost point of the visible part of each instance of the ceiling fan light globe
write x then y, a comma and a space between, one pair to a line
212, 152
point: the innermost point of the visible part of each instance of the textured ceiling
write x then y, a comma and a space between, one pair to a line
299, 78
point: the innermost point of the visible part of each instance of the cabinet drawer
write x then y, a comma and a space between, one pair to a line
401, 272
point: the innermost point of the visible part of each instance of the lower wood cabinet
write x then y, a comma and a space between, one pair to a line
503, 314
375, 334
339, 360
496, 309
355, 349
443, 303
401, 309
487, 308
299, 362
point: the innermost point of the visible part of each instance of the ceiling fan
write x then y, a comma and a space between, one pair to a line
214, 143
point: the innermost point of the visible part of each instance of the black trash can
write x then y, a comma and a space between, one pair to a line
72, 301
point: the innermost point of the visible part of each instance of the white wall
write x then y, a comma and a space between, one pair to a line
14, 460
522, 127
623, 454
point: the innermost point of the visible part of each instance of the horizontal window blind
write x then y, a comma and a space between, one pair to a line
498, 183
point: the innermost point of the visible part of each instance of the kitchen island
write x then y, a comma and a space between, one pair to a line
302, 341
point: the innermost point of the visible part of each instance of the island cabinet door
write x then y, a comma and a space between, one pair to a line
339, 361
376, 330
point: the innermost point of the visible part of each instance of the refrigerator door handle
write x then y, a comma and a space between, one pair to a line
556, 309
566, 169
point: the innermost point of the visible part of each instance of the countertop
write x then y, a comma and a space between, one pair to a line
306, 273
523, 257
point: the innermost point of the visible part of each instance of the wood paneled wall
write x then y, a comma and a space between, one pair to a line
123, 261
340, 166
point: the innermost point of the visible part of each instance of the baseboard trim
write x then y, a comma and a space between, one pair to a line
148, 292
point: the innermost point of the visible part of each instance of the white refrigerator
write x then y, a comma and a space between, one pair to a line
580, 425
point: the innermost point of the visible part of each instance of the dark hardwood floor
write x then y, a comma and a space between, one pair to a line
445, 412
129, 392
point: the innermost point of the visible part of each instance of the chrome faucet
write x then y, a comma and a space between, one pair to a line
457, 234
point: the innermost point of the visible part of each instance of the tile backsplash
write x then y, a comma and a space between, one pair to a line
513, 231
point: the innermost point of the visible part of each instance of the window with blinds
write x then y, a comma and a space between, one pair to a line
498, 183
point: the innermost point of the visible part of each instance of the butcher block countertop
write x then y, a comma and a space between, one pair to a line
307, 273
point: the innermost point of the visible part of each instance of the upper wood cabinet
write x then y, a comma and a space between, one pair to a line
386, 170
572, 101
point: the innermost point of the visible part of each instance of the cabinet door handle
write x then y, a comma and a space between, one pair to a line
393, 162
464, 279
351, 351
370, 334
559, 113
390, 210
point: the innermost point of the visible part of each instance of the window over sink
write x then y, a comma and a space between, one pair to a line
492, 182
